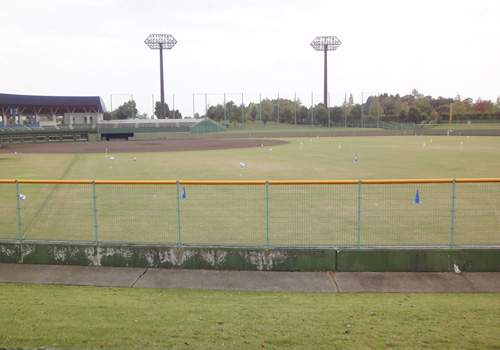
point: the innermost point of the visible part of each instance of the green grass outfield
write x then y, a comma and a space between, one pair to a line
460, 127
396, 157
64, 317
299, 215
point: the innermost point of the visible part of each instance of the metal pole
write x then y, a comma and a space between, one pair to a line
325, 87
95, 213
451, 113
19, 212
260, 109
328, 109
312, 111
179, 239
359, 213
378, 112
362, 110
345, 110
278, 109
267, 212
295, 109
452, 228
162, 91
132, 106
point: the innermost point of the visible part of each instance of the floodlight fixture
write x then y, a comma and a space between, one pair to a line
325, 43
161, 41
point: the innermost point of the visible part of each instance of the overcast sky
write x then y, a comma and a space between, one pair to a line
96, 48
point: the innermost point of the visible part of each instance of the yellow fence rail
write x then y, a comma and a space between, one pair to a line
357, 213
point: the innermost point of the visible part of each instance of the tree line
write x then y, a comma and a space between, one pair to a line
129, 110
414, 107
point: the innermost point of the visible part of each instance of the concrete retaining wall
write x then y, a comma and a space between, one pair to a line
428, 260
267, 259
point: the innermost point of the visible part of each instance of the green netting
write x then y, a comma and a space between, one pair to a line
443, 214
9, 228
223, 215
477, 214
309, 215
137, 213
57, 212
391, 214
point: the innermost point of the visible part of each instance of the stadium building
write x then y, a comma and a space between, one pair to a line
31, 119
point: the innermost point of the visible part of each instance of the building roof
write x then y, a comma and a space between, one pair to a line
29, 104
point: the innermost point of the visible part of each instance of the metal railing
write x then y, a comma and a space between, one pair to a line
350, 213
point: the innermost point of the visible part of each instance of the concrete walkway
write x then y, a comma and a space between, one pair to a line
310, 282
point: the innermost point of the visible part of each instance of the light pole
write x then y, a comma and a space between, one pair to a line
295, 109
325, 43
161, 41
345, 110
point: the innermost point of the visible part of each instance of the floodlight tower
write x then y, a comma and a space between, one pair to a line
161, 41
325, 43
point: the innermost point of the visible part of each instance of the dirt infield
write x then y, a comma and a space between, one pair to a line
140, 146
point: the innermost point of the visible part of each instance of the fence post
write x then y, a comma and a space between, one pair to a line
452, 228
359, 213
267, 213
179, 241
19, 212
95, 213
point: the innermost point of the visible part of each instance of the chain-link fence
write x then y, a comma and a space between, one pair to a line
461, 212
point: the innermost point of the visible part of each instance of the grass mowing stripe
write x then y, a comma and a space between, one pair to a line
75, 160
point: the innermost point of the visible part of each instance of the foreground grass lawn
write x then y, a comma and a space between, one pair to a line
121, 318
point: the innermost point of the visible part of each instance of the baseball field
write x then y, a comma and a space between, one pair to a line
237, 214
101, 318
327, 158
